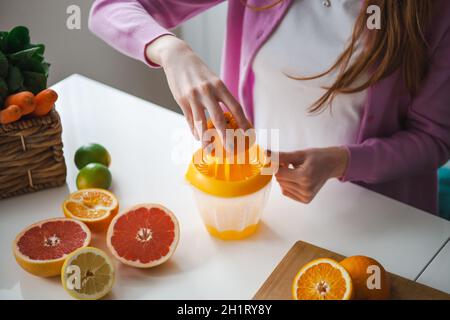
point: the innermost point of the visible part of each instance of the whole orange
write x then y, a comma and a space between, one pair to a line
370, 279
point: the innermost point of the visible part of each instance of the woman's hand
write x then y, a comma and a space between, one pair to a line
303, 173
194, 86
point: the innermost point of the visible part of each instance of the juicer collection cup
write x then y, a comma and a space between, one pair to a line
230, 197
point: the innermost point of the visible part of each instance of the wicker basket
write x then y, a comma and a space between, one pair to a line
31, 155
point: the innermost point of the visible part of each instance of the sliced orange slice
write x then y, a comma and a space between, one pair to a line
95, 207
322, 279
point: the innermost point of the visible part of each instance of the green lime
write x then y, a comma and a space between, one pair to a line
94, 175
92, 153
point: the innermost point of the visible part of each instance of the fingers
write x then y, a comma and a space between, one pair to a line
287, 174
290, 194
185, 107
217, 117
209, 96
298, 183
305, 193
294, 193
198, 113
295, 158
233, 106
222, 95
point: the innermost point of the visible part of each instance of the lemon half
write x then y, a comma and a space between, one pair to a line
88, 274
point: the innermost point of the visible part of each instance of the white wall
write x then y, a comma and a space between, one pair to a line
79, 51
205, 33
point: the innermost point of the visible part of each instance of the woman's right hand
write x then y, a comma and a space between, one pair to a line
194, 86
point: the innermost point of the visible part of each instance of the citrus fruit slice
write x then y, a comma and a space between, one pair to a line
144, 236
242, 140
42, 247
229, 121
95, 207
88, 274
92, 153
322, 279
370, 280
94, 175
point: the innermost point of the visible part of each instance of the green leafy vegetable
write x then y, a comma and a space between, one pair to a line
33, 64
24, 55
22, 63
14, 79
40, 46
17, 39
3, 35
3, 65
35, 82
3, 89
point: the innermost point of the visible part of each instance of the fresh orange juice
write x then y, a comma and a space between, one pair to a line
232, 234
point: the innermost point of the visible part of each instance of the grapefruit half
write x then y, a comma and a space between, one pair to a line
42, 248
143, 236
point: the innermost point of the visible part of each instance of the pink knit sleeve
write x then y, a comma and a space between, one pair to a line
130, 25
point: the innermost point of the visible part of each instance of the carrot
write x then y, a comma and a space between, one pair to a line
45, 100
10, 114
24, 99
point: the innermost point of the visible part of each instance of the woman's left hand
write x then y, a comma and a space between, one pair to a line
303, 173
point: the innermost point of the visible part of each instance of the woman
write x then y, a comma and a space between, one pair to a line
375, 110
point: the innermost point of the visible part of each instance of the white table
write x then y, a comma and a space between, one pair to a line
437, 274
142, 139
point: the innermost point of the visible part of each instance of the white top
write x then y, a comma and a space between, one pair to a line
307, 42
344, 217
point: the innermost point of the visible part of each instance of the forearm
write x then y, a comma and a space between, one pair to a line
164, 48
339, 156
406, 153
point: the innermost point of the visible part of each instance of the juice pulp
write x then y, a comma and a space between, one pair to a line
233, 234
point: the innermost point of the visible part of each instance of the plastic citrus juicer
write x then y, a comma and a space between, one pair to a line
230, 194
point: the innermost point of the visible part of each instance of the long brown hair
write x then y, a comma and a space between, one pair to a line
399, 44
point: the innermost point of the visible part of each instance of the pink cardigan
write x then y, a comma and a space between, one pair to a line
401, 142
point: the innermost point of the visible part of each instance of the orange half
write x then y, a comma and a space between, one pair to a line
95, 207
322, 279
230, 122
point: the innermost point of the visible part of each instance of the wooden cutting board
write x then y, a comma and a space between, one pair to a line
278, 285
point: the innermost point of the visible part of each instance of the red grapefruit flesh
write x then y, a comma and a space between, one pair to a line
42, 248
144, 236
